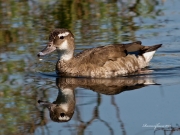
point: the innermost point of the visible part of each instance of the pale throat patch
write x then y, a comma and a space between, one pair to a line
64, 53
63, 34
65, 106
64, 45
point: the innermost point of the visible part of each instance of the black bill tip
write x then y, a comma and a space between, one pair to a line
40, 54
39, 101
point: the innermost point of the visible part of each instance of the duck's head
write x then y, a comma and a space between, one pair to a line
61, 40
58, 112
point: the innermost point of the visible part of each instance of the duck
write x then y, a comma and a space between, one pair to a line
107, 61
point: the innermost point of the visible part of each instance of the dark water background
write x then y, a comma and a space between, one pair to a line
24, 30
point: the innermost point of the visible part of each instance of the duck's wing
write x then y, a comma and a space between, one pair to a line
137, 48
102, 54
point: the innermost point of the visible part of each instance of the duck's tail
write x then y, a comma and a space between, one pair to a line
149, 51
138, 49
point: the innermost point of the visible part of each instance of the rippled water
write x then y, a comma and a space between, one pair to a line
101, 106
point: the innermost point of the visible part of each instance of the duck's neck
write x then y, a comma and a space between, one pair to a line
65, 55
65, 95
66, 52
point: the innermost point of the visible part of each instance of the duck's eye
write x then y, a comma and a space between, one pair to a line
62, 114
61, 37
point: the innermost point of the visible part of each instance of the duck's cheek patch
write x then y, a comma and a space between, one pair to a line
63, 34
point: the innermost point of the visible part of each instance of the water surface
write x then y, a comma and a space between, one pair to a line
121, 106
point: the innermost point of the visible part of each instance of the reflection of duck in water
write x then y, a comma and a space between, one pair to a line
62, 109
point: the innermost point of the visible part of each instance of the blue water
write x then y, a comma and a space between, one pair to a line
25, 80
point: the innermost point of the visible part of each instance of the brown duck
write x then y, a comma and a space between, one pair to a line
101, 62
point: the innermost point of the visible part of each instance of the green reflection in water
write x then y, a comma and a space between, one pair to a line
25, 25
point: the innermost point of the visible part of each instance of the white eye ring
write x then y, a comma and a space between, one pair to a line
63, 34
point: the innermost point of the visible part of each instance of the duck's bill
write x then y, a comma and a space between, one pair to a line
44, 103
48, 49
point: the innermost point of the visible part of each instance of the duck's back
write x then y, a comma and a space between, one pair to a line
100, 55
